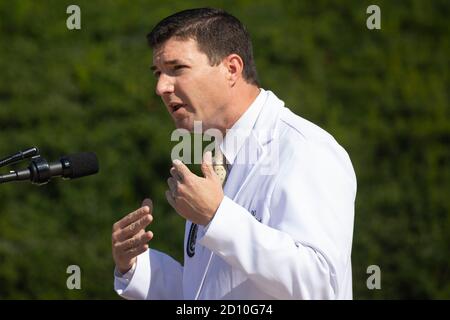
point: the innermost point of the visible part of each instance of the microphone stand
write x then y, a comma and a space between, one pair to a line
19, 156
15, 158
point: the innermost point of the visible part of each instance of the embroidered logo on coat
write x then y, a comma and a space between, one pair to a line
253, 212
192, 238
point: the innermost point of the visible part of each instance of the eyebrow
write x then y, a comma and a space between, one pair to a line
169, 62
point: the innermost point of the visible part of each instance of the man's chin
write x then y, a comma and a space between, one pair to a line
183, 124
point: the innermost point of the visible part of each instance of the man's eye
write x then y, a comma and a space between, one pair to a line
177, 68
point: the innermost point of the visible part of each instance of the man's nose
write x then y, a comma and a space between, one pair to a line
164, 85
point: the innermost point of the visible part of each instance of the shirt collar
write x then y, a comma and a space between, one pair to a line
241, 130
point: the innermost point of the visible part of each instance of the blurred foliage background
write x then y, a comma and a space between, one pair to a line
383, 94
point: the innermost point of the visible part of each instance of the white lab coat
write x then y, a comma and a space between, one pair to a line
280, 233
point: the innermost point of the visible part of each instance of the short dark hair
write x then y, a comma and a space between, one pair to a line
217, 33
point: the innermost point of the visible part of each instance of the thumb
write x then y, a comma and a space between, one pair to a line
207, 167
148, 202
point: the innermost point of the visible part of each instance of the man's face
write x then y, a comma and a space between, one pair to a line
189, 86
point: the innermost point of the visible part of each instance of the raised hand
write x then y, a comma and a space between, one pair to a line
195, 198
129, 238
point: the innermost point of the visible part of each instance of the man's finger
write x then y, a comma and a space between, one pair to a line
128, 243
170, 198
149, 203
134, 252
172, 183
181, 169
138, 240
133, 228
206, 166
131, 218
175, 174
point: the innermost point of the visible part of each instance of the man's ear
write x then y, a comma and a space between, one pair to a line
234, 66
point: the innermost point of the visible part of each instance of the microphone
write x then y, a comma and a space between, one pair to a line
40, 171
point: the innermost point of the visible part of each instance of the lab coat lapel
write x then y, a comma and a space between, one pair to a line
242, 168
249, 157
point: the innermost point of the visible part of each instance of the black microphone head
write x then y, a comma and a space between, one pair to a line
82, 164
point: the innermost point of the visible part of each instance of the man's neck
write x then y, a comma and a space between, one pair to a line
241, 100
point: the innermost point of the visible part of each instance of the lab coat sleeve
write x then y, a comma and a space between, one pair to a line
157, 277
303, 250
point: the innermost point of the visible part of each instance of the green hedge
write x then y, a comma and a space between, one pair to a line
383, 94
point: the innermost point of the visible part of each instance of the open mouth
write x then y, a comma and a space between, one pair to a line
177, 106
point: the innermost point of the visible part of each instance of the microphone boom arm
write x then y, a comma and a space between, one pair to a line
21, 155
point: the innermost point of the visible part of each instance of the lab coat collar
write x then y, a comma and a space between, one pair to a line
237, 135
254, 146
264, 128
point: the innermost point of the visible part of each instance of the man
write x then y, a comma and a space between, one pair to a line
282, 226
